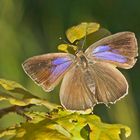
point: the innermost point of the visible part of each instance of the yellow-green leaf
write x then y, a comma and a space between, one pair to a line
62, 124
41, 131
74, 123
10, 85
7, 133
10, 120
104, 131
14, 89
67, 48
77, 32
63, 47
36, 116
16, 94
25, 102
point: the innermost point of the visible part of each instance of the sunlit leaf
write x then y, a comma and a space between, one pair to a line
63, 47
67, 48
16, 94
68, 125
36, 116
7, 133
60, 129
41, 131
10, 85
77, 32
25, 102
104, 131
98, 130
15, 89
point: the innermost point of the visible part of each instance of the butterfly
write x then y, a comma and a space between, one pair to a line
89, 77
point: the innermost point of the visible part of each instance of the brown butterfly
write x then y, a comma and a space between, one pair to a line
89, 77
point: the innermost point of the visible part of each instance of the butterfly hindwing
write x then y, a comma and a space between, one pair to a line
119, 49
74, 92
47, 70
110, 83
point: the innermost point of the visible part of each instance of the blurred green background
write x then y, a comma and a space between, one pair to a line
33, 27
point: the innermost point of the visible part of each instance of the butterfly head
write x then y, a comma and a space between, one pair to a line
81, 59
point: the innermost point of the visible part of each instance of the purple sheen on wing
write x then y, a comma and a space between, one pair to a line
60, 60
60, 69
111, 56
115, 51
101, 49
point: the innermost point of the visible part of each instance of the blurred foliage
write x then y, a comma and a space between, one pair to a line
32, 27
57, 123
18, 95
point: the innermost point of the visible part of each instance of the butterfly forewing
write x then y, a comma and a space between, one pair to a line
111, 85
119, 49
74, 92
47, 70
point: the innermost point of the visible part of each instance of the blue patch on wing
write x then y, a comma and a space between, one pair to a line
101, 49
106, 53
111, 56
60, 60
60, 68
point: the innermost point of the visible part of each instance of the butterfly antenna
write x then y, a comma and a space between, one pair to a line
64, 41
85, 38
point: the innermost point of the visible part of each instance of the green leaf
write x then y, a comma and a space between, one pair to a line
16, 94
85, 132
67, 48
62, 124
10, 85
75, 122
58, 124
44, 130
14, 89
10, 120
104, 131
36, 116
77, 32
7, 133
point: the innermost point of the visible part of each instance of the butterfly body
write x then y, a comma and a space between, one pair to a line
81, 59
89, 77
